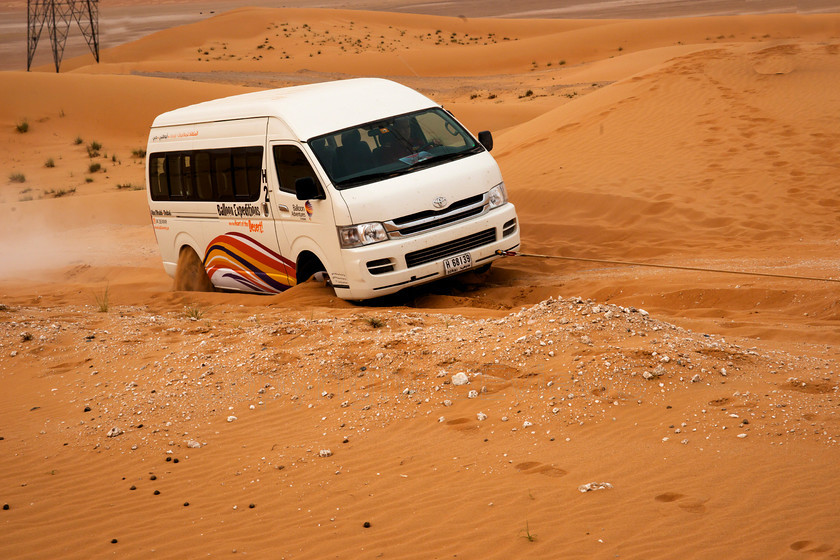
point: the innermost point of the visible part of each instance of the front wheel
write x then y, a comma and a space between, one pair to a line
309, 268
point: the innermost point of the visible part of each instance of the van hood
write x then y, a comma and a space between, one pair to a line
417, 191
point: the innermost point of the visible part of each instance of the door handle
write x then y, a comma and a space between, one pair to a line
283, 207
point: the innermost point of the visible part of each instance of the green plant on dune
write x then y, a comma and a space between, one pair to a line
102, 301
528, 534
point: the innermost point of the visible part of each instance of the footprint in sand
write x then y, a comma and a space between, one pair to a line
808, 546
691, 505
533, 467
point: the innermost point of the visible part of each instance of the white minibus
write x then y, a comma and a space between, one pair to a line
364, 181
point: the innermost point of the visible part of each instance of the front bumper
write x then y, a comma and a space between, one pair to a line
388, 267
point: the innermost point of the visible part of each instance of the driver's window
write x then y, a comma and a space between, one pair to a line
291, 165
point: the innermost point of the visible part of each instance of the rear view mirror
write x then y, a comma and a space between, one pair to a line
486, 139
307, 189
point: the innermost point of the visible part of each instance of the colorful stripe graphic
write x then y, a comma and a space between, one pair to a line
248, 263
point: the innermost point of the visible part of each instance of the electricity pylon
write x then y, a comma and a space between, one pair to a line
58, 15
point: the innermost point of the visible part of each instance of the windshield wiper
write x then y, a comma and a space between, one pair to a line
442, 157
369, 177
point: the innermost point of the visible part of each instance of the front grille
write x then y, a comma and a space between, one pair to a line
431, 219
450, 248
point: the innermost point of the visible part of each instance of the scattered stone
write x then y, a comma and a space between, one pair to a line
481, 416
460, 379
472, 394
366, 524
6, 507
252, 506
192, 444
114, 432
114, 541
325, 453
592, 486
87, 409
231, 418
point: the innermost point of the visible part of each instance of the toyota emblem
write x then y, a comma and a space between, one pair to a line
439, 202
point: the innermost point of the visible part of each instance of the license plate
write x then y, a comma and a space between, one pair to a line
457, 264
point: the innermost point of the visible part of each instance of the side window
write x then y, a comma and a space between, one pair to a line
180, 175
240, 174
254, 164
224, 175
291, 165
203, 176
157, 177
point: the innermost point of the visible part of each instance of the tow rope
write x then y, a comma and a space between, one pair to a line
669, 266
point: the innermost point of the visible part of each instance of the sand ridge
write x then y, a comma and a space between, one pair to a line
278, 426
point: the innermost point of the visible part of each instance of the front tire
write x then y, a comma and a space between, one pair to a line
309, 267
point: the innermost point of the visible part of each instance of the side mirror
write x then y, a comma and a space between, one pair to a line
486, 139
307, 189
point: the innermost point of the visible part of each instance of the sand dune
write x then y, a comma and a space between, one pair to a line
303, 426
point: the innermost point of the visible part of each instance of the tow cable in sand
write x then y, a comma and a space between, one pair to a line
670, 266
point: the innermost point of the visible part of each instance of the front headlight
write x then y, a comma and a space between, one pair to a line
497, 196
361, 234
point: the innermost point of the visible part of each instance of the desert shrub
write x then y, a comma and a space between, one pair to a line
22, 126
17, 178
93, 149
49, 163
94, 167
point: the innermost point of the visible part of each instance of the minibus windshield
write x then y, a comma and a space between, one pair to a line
391, 147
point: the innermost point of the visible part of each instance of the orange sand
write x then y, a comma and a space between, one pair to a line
708, 401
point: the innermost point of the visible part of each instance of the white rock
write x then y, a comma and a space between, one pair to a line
447, 402
592, 486
325, 453
231, 418
460, 379
526, 424
192, 444
472, 394
114, 432
481, 416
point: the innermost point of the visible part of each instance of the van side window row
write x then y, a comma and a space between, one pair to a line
221, 175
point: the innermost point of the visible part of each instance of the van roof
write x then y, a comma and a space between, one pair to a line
309, 110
